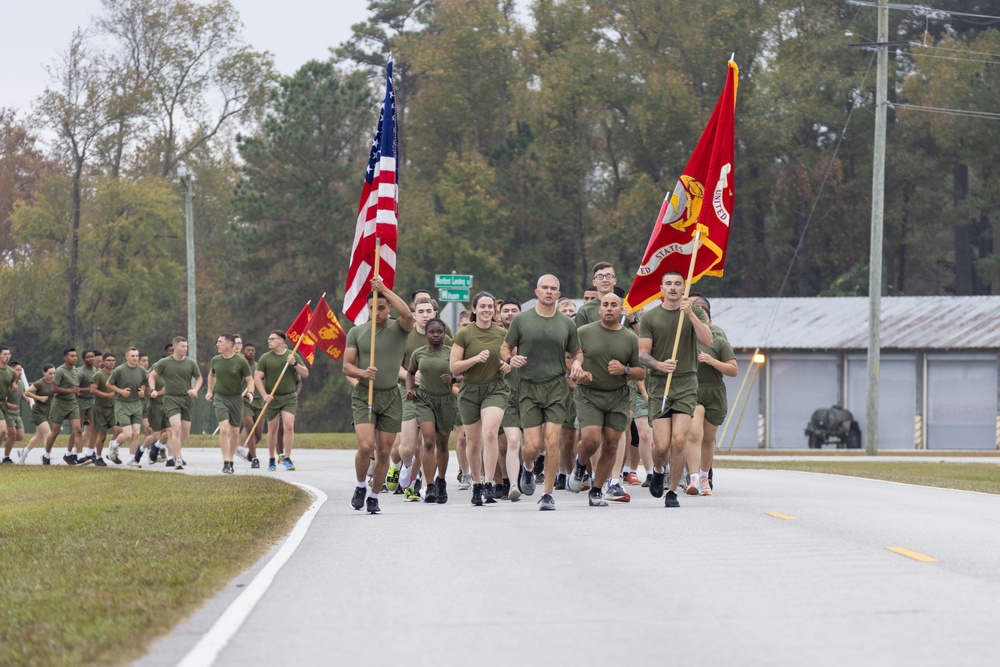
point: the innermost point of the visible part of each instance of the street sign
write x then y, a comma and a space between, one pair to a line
453, 280
453, 295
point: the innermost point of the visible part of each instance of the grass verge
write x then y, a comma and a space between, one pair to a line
92, 560
982, 477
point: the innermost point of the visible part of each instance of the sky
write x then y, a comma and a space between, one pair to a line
294, 31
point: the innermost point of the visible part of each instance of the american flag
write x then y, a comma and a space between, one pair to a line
377, 213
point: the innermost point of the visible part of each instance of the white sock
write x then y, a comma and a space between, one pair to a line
161, 444
113, 443
372, 493
704, 474
694, 479
46, 455
362, 485
88, 452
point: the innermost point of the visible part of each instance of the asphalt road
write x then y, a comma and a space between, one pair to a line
777, 566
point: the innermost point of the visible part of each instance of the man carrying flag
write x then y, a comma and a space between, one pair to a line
697, 213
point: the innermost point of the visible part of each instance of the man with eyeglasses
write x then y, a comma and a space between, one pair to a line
281, 402
605, 280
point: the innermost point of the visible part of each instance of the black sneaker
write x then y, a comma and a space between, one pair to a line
540, 478
711, 486
649, 478
70, 459
99, 462
7, 461
477, 495
656, 484
46, 461
169, 463
255, 465
490, 494
596, 498
561, 482
546, 502
372, 505
526, 482
671, 500
431, 495
539, 468
227, 468
154, 453
442, 491
358, 499
505, 490
85, 460
117, 461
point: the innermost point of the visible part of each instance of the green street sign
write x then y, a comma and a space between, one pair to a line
453, 280
453, 294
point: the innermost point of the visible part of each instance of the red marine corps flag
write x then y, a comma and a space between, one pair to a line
298, 330
326, 332
377, 214
701, 201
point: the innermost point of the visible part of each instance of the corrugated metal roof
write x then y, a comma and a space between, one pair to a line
841, 323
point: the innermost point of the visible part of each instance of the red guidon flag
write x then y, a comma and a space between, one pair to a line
701, 201
326, 332
377, 213
298, 330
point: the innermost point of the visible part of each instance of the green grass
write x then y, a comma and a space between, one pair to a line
983, 477
94, 564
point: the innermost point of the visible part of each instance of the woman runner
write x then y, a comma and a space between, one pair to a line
41, 393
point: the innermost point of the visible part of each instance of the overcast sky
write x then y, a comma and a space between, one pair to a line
36, 31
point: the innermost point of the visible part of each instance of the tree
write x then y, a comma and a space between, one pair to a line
21, 165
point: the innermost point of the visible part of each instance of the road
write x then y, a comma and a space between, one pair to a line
777, 566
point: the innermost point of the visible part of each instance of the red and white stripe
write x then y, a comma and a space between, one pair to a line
376, 217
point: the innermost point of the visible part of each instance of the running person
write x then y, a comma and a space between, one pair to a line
670, 418
537, 343
104, 409
251, 411
376, 425
510, 443
41, 393
126, 382
229, 381
434, 405
603, 397
14, 398
482, 396
85, 403
64, 406
181, 383
7, 376
281, 401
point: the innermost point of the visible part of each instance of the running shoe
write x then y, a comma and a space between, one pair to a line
70, 459
7, 461
539, 468
540, 478
243, 452
179, 464
270, 465
100, 463
255, 464
372, 506
169, 463
561, 482
706, 487
575, 482
632, 479
22, 456
477, 495
113, 451
693, 490
649, 478
411, 495
154, 453
442, 491
82, 460
46, 460
526, 482
586, 482
546, 502
405, 477
392, 479
656, 484
616, 492
288, 464
466, 482
227, 467
358, 499
281, 457
596, 499
505, 490
671, 500
514, 493
430, 495
132, 463
490, 494
460, 475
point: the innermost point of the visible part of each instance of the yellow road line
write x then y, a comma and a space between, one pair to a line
779, 515
923, 558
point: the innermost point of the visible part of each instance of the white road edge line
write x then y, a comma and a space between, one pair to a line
211, 644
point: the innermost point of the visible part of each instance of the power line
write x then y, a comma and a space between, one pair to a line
927, 11
945, 48
968, 113
962, 60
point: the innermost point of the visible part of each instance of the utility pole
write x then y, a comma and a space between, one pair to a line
875, 257
187, 180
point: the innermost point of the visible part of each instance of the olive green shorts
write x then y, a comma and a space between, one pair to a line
602, 408
641, 409
157, 417
543, 403
251, 410
511, 415
683, 395
61, 411
85, 405
713, 397
128, 412
281, 403
104, 418
570, 422
13, 419
437, 409
386, 412
228, 408
409, 409
177, 405
474, 396
39, 418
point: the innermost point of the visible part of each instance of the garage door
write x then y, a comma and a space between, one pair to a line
961, 401
799, 384
897, 398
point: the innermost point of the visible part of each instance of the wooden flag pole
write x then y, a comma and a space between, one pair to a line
371, 355
282, 374
680, 323
746, 399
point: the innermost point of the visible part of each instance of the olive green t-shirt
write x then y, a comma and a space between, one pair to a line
474, 340
124, 377
589, 312
14, 398
390, 346
41, 388
271, 364
600, 346
720, 350
84, 377
177, 375
230, 374
545, 341
65, 379
159, 386
100, 382
431, 366
258, 400
413, 341
660, 325
7, 376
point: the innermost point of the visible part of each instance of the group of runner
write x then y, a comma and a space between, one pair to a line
545, 396
148, 409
